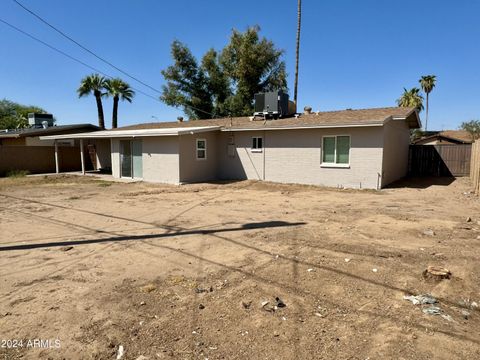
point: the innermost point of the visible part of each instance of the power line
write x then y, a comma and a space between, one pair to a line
89, 66
85, 48
69, 56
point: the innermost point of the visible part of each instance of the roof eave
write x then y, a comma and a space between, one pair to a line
108, 134
300, 127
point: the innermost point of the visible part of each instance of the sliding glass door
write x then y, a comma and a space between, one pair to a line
137, 163
126, 158
131, 165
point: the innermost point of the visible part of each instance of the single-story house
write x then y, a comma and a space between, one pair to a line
22, 149
351, 148
446, 137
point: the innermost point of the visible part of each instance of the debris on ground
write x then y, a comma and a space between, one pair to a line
375, 270
142, 303
421, 299
246, 304
121, 352
201, 306
429, 232
467, 303
280, 303
435, 310
347, 260
200, 290
148, 288
468, 219
310, 270
466, 314
437, 273
66, 248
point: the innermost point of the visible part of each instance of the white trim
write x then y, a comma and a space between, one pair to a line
335, 164
257, 149
333, 126
197, 149
332, 165
110, 134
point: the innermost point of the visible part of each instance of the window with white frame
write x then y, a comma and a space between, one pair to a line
201, 149
257, 144
336, 150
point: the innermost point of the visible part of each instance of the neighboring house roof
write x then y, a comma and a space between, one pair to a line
454, 136
343, 118
52, 130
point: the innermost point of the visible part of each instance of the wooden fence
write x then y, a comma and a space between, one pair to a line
439, 160
475, 167
38, 159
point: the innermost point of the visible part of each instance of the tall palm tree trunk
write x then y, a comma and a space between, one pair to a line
297, 50
426, 116
115, 112
98, 98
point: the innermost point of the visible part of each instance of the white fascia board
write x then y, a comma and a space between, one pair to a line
332, 126
187, 131
132, 133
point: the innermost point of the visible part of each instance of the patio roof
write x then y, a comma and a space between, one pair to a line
108, 134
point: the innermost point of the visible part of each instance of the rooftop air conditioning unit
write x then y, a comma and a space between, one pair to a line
273, 104
40, 120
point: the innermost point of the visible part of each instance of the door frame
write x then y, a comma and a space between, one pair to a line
133, 177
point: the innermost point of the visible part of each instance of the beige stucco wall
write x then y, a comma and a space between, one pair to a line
396, 141
294, 156
245, 164
102, 149
115, 151
160, 159
197, 170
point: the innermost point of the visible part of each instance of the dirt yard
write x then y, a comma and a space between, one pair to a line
193, 271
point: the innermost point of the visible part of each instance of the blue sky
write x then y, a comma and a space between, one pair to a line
354, 54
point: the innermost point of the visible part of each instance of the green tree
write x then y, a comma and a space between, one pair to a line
472, 127
119, 90
427, 83
187, 84
253, 65
297, 49
218, 84
224, 83
95, 84
14, 115
411, 98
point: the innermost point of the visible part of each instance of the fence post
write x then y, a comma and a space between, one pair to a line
475, 167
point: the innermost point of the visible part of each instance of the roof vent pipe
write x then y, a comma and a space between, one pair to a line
307, 110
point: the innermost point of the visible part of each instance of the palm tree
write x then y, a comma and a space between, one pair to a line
411, 98
297, 51
427, 83
95, 84
118, 89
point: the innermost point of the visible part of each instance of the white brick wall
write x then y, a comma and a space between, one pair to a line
294, 156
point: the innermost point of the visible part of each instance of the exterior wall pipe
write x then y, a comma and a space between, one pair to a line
82, 157
57, 166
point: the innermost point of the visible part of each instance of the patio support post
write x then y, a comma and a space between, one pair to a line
57, 166
82, 159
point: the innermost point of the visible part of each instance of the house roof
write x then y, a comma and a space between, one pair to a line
20, 133
457, 136
133, 133
343, 118
326, 119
